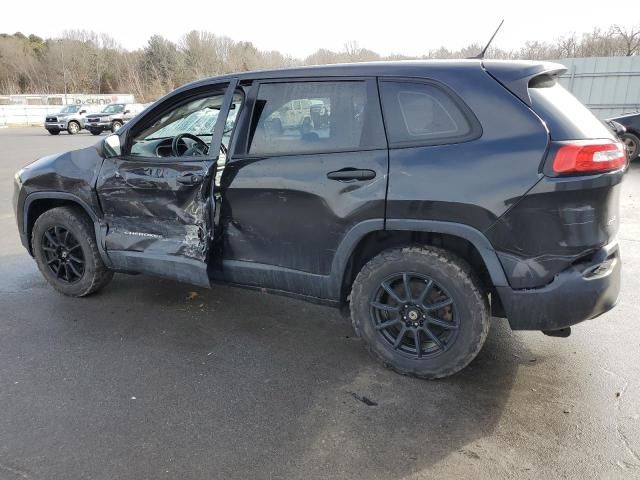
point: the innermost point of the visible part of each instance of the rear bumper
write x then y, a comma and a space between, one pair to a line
581, 292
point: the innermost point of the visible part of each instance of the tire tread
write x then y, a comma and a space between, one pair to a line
464, 275
77, 217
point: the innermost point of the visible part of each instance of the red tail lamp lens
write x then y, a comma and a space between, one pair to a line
589, 157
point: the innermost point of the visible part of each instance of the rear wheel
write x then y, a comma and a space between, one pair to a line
420, 310
633, 145
115, 126
73, 127
66, 252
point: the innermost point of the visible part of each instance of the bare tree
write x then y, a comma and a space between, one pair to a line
630, 39
86, 61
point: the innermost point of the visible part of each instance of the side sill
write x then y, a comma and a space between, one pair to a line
180, 269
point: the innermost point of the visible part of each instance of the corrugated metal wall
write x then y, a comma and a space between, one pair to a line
25, 114
609, 86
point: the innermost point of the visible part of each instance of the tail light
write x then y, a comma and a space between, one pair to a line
589, 157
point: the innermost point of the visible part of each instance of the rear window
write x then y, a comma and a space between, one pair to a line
565, 117
423, 114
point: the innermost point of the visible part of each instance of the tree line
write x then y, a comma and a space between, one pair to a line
81, 61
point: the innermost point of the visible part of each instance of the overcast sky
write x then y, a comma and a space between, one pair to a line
301, 27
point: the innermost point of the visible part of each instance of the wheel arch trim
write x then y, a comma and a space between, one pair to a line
473, 236
53, 195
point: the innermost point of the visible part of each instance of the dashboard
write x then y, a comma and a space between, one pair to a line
157, 147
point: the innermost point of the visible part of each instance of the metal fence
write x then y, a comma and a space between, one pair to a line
609, 86
25, 114
66, 99
31, 109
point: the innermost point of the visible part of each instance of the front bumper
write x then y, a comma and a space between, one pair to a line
55, 125
581, 292
98, 125
18, 205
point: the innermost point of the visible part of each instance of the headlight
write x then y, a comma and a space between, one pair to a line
18, 176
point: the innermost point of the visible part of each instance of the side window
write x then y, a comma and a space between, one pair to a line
421, 113
308, 117
193, 120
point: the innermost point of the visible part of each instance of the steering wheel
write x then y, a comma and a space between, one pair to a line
199, 146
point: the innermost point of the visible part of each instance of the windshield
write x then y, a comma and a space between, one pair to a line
199, 123
113, 108
70, 109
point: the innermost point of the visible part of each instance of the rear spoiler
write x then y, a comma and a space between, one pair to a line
516, 75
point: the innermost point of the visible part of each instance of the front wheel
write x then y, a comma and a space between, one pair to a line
632, 143
54, 132
66, 252
95, 132
73, 127
115, 126
420, 310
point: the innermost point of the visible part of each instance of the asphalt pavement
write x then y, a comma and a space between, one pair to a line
152, 379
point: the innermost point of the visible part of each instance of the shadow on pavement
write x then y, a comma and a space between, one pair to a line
152, 378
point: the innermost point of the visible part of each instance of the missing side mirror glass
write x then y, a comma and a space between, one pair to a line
111, 146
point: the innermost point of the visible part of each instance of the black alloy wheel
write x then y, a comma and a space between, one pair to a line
65, 248
421, 310
63, 254
414, 315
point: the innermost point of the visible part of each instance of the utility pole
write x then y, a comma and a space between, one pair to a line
64, 72
98, 71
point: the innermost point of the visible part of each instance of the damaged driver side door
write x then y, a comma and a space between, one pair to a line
156, 193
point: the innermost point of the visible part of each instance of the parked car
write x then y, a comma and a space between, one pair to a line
616, 128
424, 221
70, 119
631, 138
112, 117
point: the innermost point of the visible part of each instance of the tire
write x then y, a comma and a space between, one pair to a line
460, 326
115, 126
79, 244
95, 132
633, 145
54, 132
73, 127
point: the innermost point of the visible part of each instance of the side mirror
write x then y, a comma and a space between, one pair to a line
127, 111
82, 111
111, 146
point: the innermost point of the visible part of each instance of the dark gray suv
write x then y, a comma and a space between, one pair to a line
112, 117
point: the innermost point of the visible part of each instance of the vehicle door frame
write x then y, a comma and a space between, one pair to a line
134, 261
324, 288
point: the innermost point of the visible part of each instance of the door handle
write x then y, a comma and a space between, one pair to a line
190, 179
351, 175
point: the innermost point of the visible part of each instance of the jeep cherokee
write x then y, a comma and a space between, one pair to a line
427, 197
